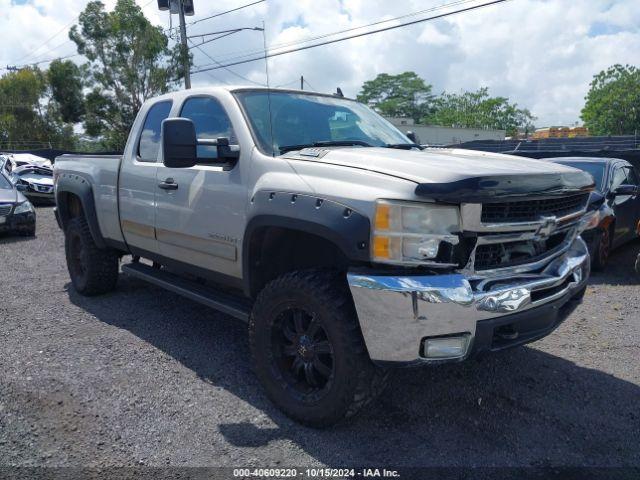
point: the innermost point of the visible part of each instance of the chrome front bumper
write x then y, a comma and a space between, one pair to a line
397, 313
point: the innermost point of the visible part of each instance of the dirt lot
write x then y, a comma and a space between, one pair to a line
144, 377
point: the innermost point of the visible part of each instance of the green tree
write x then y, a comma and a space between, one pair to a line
129, 61
613, 102
65, 80
479, 110
403, 95
27, 118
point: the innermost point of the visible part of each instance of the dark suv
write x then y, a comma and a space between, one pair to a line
17, 215
616, 203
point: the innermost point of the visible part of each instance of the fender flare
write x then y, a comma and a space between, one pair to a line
80, 187
347, 229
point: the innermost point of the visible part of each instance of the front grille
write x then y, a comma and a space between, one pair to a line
532, 210
511, 254
5, 209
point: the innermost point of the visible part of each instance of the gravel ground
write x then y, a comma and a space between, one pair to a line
143, 377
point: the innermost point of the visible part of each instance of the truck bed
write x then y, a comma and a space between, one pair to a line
101, 173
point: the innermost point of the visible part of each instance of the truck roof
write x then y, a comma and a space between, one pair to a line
238, 88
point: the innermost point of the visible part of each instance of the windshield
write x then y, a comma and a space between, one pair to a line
4, 183
305, 119
595, 169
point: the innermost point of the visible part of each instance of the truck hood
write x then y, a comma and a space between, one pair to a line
456, 174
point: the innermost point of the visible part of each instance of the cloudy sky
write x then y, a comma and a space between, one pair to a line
540, 53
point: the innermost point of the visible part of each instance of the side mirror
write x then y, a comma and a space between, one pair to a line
625, 190
412, 136
226, 151
179, 143
21, 188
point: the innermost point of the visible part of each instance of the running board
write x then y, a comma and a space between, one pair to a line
237, 307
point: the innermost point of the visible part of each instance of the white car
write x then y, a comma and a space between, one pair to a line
35, 182
20, 159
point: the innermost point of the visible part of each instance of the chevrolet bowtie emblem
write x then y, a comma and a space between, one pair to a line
549, 225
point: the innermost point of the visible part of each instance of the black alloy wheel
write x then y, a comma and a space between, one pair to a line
603, 250
301, 352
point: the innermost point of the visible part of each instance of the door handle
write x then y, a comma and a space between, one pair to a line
168, 184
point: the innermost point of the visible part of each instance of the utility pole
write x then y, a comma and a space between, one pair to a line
182, 8
185, 47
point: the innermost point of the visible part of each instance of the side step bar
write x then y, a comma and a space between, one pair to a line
237, 307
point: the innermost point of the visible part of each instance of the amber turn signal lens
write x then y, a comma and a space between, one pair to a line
383, 217
381, 247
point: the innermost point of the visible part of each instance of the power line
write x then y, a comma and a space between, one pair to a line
309, 85
248, 53
30, 54
227, 69
392, 27
37, 58
228, 11
220, 34
33, 52
296, 81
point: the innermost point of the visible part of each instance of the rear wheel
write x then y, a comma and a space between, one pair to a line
308, 350
93, 270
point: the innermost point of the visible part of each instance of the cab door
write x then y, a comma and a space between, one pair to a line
200, 211
634, 179
137, 184
624, 206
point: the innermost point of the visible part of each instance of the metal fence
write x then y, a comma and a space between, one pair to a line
625, 147
52, 153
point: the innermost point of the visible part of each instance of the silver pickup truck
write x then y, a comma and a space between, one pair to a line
347, 248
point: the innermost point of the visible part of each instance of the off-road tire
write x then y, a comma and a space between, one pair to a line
356, 381
93, 270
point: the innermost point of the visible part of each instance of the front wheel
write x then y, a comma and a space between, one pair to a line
308, 350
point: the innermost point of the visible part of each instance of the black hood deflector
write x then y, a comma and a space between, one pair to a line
495, 188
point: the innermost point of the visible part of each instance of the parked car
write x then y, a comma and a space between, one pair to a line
346, 247
616, 203
37, 182
20, 159
17, 215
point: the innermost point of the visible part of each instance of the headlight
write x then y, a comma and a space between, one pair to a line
23, 207
590, 220
412, 233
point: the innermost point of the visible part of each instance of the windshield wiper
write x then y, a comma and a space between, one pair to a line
404, 146
327, 143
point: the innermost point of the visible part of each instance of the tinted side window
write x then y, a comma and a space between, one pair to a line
4, 183
150, 138
632, 176
211, 122
619, 177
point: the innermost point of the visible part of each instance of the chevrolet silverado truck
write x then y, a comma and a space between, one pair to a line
347, 248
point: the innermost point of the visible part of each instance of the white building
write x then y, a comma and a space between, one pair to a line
436, 135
